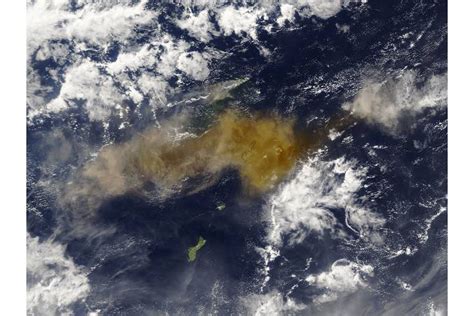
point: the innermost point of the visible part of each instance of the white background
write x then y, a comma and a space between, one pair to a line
13, 157
460, 158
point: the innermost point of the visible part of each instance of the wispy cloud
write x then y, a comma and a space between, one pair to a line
54, 281
388, 102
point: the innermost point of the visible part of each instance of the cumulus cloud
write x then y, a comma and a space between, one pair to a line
287, 14
94, 22
236, 21
66, 31
85, 82
102, 86
194, 65
269, 304
132, 61
305, 203
51, 23
54, 281
155, 87
320, 8
172, 49
387, 103
246, 19
56, 51
198, 25
343, 278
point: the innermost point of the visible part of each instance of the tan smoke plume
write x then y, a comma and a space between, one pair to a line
263, 148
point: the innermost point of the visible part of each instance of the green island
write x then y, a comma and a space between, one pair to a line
220, 206
192, 251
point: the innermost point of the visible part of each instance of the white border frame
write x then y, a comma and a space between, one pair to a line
13, 158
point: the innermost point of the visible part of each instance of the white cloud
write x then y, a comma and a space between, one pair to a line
304, 204
85, 82
198, 26
171, 51
57, 51
63, 31
433, 310
320, 8
154, 87
343, 278
236, 21
269, 304
54, 281
104, 86
287, 14
385, 103
146, 56
170, 55
113, 23
135, 95
194, 65
95, 23
248, 18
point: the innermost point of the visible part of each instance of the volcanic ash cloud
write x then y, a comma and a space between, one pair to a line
263, 149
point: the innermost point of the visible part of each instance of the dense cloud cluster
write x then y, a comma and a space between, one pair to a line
66, 32
54, 282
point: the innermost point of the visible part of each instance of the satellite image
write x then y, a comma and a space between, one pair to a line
237, 157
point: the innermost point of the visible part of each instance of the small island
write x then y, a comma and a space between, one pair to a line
220, 206
192, 251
